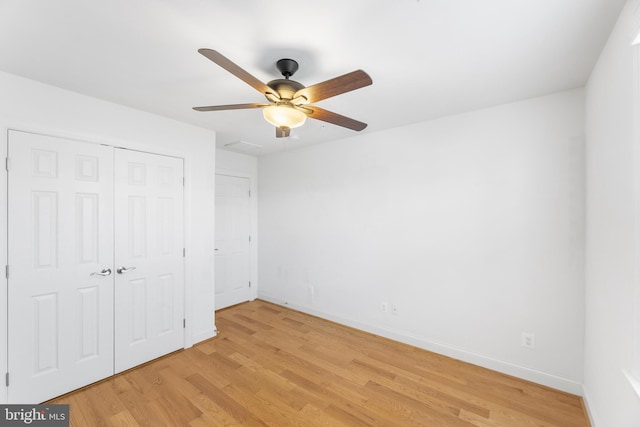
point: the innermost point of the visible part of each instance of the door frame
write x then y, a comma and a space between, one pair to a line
190, 335
4, 232
253, 227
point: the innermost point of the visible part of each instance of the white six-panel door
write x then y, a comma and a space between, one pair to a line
232, 241
60, 265
148, 257
76, 313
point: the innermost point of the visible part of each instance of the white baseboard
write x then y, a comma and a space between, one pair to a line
587, 408
539, 377
203, 336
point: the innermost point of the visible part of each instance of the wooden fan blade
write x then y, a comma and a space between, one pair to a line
229, 107
283, 132
334, 118
236, 70
345, 83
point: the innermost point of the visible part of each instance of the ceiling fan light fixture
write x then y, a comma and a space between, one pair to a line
284, 115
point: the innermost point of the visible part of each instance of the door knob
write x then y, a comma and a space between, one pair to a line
124, 269
104, 272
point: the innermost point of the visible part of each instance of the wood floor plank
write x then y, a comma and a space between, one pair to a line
124, 419
272, 366
224, 401
212, 414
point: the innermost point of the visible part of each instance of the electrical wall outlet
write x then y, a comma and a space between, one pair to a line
384, 307
528, 340
394, 309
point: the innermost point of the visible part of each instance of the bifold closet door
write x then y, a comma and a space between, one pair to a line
60, 287
149, 257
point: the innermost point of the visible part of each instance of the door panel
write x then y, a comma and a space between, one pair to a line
232, 241
149, 257
60, 232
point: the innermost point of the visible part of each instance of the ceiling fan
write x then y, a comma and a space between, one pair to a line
289, 101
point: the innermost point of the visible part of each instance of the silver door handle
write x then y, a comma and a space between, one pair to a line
123, 269
104, 272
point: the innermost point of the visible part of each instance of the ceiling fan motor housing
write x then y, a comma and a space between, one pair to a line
285, 88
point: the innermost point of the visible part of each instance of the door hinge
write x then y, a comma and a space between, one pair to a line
249, 193
249, 283
184, 323
184, 252
249, 237
6, 271
183, 181
6, 163
6, 379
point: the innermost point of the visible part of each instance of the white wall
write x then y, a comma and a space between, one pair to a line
472, 225
244, 166
612, 252
32, 106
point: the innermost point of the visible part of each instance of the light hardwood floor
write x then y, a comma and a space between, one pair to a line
273, 366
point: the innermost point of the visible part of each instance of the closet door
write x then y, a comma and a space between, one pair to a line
149, 260
60, 283
233, 247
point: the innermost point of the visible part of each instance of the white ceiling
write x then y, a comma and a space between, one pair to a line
427, 58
